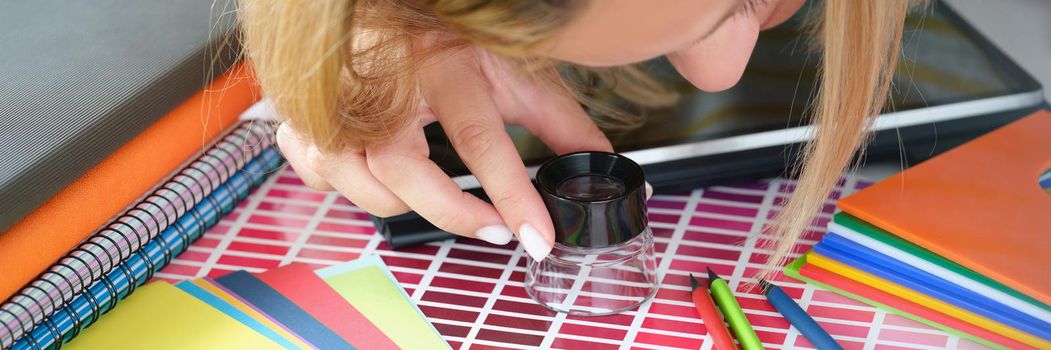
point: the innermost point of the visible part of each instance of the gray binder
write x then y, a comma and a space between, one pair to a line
78, 79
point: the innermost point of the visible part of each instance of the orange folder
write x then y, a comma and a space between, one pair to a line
978, 204
46, 234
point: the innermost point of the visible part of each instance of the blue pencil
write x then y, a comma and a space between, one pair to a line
798, 318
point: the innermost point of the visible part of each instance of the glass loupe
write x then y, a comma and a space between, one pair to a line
603, 261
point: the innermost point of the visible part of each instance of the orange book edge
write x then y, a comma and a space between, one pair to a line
48, 233
979, 205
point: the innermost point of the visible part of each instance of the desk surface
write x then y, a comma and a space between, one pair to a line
472, 291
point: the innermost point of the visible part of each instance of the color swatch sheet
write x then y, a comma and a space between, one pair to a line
472, 291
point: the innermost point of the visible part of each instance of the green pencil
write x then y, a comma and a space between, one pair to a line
724, 298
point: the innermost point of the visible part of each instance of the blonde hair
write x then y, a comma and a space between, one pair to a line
342, 73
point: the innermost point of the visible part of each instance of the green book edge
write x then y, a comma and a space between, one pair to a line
882, 235
792, 270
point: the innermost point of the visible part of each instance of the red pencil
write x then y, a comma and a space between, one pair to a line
706, 307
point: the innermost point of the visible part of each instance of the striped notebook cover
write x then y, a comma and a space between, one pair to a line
125, 235
103, 295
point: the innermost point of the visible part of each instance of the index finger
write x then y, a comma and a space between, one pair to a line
403, 167
470, 119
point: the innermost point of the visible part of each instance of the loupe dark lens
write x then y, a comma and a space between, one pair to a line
591, 188
596, 199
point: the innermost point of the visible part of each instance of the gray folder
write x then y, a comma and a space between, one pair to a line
78, 79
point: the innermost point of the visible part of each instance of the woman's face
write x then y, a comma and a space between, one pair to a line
708, 41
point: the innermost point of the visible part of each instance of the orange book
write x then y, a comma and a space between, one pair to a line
979, 205
45, 235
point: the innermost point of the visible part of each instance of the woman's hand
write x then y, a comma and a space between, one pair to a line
472, 94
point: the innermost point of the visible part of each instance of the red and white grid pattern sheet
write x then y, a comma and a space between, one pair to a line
473, 294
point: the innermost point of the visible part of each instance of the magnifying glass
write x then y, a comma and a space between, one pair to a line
602, 261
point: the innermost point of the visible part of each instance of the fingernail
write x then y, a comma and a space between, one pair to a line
649, 190
533, 242
315, 159
495, 234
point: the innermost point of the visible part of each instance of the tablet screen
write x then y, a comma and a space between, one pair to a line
942, 63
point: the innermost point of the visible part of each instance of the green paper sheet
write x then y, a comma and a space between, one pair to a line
368, 285
877, 233
792, 270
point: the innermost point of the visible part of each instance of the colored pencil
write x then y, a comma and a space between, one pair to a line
733, 313
706, 308
797, 317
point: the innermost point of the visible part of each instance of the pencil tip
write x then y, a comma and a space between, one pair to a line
694, 283
764, 285
711, 274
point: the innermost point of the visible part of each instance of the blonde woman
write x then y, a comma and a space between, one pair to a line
356, 81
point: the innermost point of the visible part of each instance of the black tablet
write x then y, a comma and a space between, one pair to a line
952, 85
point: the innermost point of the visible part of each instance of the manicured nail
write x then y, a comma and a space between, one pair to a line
315, 159
495, 234
533, 242
649, 190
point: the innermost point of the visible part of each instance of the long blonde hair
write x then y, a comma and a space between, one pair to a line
341, 72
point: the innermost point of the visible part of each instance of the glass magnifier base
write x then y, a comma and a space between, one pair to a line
595, 281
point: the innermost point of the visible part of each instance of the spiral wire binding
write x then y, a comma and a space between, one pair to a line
111, 288
126, 235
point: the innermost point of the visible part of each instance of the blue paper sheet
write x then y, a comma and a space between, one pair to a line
221, 305
273, 304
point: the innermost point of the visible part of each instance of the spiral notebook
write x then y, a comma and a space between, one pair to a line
472, 291
121, 179
125, 235
100, 297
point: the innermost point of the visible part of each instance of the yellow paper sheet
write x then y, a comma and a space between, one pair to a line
925, 300
160, 316
240, 305
368, 285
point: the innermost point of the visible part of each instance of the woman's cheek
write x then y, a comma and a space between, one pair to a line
717, 62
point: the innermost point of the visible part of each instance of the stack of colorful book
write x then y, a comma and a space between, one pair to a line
961, 242
105, 234
122, 142
354, 305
